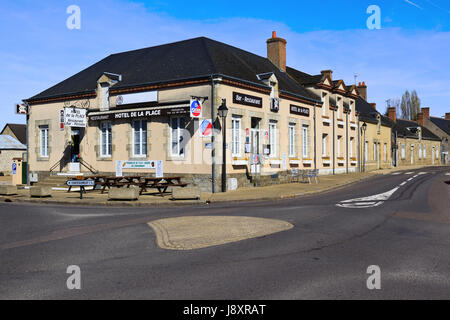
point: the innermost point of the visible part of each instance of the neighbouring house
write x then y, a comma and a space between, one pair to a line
17, 131
414, 144
441, 128
375, 134
136, 106
10, 148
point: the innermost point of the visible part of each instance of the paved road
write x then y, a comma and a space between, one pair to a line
325, 255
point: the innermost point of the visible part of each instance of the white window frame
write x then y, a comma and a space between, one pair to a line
180, 151
424, 151
324, 144
236, 136
338, 145
420, 151
107, 151
44, 141
351, 147
385, 152
305, 146
403, 151
292, 149
273, 138
374, 151
366, 151
324, 109
142, 138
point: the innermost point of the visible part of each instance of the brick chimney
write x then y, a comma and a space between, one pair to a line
426, 113
276, 51
362, 90
392, 114
420, 118
374, 105
447, 116
327, 73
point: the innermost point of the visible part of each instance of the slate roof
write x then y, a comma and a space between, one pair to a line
304, 78
368, 114
19, 130
9, 143
188, 59
443, 124
401, 127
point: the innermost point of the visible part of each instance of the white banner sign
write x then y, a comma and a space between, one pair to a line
75, 117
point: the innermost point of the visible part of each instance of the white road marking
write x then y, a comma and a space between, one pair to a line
396, 173
447, 174
409, 173
422, 173
402, 184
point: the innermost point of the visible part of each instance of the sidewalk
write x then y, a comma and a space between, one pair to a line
274, 192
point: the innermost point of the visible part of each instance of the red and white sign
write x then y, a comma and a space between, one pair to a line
206, 127
196, 109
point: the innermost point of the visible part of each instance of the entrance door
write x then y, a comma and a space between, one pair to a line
255, 136
75, 146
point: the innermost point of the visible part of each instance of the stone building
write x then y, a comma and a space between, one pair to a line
414, 144
141, 106
10, 148
17, 131
441, 128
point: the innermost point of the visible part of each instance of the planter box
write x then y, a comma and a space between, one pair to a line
8, 190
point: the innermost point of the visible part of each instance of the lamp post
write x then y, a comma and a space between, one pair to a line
223, 112
364, 128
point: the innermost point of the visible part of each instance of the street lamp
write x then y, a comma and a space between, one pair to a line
364, 128
223, 112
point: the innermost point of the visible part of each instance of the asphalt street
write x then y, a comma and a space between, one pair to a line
325, 256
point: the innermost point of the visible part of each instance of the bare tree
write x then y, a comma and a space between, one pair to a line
415, 106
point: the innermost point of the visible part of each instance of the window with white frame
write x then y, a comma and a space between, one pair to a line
385, 152
292, 140
324, 145
140, 138
305, 146
324, 109
177, 126
339, 107
374, 151
420, 151
403, 151
424, 151
338, 146
273, 138
437, 152
236, 136
366, 151
105, 139
44, 141
351, 147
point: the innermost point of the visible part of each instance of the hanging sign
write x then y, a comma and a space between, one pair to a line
75, 117
247, 100
206, 127
196, 109
21, 109
300, 111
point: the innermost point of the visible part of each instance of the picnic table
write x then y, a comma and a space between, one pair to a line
125, 181
161, 184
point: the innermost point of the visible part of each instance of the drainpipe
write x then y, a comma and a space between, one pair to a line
334, 142
346, 141
213, 150
315, 141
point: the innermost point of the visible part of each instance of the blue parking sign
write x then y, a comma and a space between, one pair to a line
14, 168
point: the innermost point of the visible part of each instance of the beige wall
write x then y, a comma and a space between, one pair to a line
412, 152
197, 158
380, 138
6, 160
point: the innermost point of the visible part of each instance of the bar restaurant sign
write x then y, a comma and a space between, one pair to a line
300, 111
75, 117
247, 100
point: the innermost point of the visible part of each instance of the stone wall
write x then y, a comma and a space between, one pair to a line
6, 157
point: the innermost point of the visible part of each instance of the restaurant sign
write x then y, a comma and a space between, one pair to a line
143, 113
300, 111
139, 164
247, 100
75, 117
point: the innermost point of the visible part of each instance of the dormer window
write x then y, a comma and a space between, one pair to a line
324, 99
104, 96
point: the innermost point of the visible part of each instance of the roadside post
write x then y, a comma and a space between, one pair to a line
81, 184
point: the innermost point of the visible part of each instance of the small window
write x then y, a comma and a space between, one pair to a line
424, 152
106, 137
338, 145
273, 138
385, 152
177, 126
324, 145
351, 147
236, 136
291, 140
305, 141
403, 151
140, 138
44, 141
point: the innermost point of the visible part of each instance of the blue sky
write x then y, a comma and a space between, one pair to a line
410, 51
